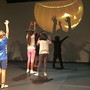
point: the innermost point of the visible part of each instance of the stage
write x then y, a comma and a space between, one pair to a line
74, 76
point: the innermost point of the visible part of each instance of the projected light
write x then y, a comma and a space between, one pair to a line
43, 12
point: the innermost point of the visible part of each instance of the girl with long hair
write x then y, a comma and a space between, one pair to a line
31, 49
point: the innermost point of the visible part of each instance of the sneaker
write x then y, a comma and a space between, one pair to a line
36, 74
4, 86
45, 74
27, 71
31, 72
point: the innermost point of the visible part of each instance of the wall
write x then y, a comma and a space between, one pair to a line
74, 49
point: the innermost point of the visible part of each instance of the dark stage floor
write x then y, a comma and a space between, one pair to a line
75, 76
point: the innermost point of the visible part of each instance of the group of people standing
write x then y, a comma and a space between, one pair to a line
38, 46
37, 50
37, 42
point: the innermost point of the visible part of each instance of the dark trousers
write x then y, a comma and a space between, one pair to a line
42, 57
59, 57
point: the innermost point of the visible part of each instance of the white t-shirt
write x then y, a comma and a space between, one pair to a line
44, 46
32, 45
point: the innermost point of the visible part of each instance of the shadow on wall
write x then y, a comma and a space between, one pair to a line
85, 53
71, 53
16, 51
75, 53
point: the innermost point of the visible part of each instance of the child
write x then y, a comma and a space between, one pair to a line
30, 50
3, 54
43, 42
37, 49
57, 51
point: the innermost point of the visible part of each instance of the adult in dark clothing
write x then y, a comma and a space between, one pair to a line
57, 51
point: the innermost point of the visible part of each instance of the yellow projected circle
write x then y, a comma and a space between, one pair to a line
43, 12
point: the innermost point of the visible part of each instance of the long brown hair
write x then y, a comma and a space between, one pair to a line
30, 33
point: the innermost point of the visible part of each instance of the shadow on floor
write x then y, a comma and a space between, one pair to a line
41, 79
21, 77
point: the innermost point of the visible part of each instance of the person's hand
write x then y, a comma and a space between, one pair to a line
35, 22
49, 37
54, 20
6, 22
67, 19
31, 23
59, 22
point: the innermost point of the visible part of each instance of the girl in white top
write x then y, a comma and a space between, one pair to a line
30, 50
43, 43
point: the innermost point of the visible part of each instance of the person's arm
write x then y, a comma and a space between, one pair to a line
7, 27
68, 20
31, 25
64, 39
54, 19
59, 22
35, 26
27, 37
38, 43
49, 38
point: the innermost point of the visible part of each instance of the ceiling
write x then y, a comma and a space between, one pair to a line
18, 1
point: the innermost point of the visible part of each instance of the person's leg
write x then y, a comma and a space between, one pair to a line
28, 61
3, 74
60, 60
54, 60
36, 60
39, 64
45, 64
32, 60
0, 71
36, 56
28, 64
3, 79
0, 74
